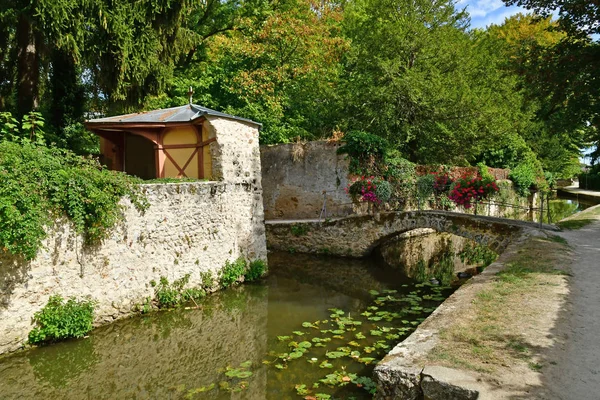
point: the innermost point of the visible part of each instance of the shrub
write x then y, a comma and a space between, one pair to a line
523, 176
425, 185
528, 174
38, 183
171, 295
255, 271
468, 190
477, 254
60, 320
366, 151
370, 189
589, 181
232, 272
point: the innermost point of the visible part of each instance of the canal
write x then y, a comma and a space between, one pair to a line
314, 328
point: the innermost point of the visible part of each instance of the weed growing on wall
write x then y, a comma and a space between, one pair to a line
477, 255
299, 230
255, 271
232, 272
37, 184
208, 280
171, 295
60, 320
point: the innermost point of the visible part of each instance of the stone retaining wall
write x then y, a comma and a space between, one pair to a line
295, 175
190, 228
405, 373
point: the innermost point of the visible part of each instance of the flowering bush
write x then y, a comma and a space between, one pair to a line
467, 190
442, 183
370, 189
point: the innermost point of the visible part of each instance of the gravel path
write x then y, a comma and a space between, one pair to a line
573, 369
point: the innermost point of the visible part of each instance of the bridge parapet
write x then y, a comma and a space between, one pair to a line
357, 236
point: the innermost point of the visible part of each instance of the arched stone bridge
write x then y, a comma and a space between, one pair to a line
357, 236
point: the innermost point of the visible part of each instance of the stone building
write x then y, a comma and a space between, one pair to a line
168, 143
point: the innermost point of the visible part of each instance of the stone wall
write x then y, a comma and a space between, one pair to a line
295, 176
405, 250
299, 177
190, 228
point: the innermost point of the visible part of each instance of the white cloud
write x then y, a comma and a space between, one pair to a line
497, 18
481, 8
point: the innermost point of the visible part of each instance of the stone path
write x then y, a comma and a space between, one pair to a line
573, 368
574, 189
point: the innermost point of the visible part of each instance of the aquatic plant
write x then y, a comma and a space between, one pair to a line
60, 320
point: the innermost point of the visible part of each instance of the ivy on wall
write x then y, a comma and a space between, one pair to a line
40, 184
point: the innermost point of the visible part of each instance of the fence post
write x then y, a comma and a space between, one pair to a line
541, 209
548, 209
324, 208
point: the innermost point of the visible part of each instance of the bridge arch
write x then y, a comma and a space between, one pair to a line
358, 236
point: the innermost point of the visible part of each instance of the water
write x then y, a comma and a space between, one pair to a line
565, 205
185, 353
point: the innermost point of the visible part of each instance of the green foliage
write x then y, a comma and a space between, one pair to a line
256, 269
370, 189
366, 151
443, 268
484, 172
232, 272
40, 183
171, 295
60, 320
476, 254
421, 271
383, 191
525, 176
425, 186
299, 230
589, 181
208, 280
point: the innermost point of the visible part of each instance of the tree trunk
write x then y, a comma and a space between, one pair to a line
68, 99
28, 67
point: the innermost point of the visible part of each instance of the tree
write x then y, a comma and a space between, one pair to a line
417, 77
578, 17
566, 72
279, 67
554, 137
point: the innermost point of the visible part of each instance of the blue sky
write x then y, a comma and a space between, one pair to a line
486, 12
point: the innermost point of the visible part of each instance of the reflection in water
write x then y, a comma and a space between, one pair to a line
178, 354
74, 359
565, 206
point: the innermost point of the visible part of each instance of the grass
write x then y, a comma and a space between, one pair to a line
498, 328
572, 224
581, 219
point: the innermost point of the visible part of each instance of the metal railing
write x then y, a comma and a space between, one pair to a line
416, 201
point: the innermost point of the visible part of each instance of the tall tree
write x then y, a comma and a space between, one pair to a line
567, 72
416, 76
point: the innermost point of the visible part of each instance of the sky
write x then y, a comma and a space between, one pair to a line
487, 12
